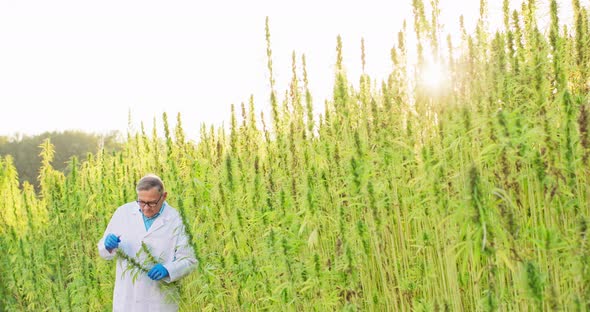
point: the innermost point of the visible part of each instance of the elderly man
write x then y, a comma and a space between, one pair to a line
149, 220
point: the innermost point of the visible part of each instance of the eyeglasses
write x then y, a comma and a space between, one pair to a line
141, 203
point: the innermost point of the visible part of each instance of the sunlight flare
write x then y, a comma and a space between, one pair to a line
434, 76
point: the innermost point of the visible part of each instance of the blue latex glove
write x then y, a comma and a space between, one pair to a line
111, 242
158, 272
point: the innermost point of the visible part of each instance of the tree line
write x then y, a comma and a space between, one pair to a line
25, 149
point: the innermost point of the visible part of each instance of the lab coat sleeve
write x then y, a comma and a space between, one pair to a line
111, 228
184, 258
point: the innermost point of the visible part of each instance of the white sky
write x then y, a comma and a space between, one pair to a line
78, 64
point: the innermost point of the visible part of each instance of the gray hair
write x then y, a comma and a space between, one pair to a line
149, 182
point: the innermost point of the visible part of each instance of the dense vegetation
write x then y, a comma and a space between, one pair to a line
470, 196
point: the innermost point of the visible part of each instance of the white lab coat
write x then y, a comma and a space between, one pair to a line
167, 242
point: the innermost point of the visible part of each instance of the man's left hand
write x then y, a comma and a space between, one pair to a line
158, 272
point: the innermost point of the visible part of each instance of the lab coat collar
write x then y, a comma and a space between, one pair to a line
160, 221
136, 209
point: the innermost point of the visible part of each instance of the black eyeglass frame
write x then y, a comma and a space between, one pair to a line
141, 203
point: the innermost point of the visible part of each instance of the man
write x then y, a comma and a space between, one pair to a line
152, 221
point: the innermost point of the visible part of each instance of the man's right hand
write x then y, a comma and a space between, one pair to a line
111, 242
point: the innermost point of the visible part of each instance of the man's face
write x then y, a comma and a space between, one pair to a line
150, 201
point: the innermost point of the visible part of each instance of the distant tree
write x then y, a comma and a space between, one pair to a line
25, 149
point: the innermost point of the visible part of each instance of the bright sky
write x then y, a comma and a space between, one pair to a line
78, 64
